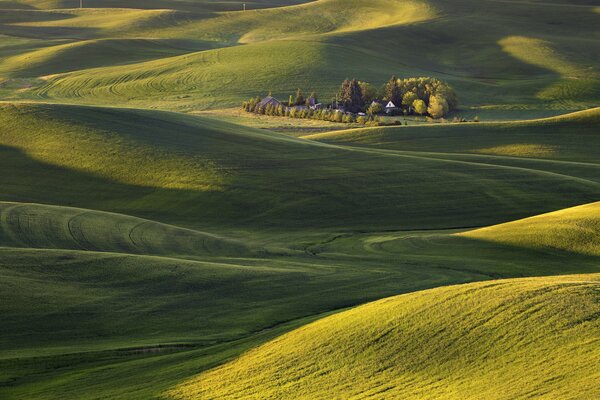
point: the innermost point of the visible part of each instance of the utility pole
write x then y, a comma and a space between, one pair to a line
80, 3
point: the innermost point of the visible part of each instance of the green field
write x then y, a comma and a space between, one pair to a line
158, 243
437, 344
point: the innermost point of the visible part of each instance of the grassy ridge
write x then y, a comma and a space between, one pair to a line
568, 137
312, 18
431, 344
91, 53
93, 149
215, 308
52, 227
214, 77
574, 229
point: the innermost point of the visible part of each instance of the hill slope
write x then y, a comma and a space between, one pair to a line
569, 137
201, 173
575, 229
52, 227
500, 340
507, 59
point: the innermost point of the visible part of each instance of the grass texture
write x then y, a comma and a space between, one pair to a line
502, 340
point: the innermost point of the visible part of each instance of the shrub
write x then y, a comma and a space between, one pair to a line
374, 109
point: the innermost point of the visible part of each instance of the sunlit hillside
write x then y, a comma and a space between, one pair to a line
502, 340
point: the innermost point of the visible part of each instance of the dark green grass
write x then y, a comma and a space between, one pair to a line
40, 226
312, 218
73, 309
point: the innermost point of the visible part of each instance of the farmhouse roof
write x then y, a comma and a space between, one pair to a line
269, 100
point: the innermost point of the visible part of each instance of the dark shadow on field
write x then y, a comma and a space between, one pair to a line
196, 6
50, 32
22, 16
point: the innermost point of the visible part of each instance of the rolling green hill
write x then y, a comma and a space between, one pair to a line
502, 340
155, 244
508, 60
91, 53
568, 137
206, 174
52, 227
93, 318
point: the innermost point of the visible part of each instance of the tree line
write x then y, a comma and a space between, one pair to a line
323, 114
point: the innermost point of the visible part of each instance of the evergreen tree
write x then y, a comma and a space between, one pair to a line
299, 98
350, 95
393, 92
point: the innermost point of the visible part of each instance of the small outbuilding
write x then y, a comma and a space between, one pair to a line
390, 107
269, 100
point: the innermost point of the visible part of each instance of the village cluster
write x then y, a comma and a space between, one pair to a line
360, 102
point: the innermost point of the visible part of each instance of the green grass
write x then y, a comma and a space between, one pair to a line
91, 53
569, 137
278, 239
205, 173
503, 340
51, 227
507, 59
140, 247
574, 229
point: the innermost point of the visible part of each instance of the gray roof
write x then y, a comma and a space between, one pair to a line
269, 100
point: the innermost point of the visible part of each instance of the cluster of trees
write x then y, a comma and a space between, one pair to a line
421, 96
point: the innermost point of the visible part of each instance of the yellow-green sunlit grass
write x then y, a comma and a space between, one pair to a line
575, 229
502, 340
47, 137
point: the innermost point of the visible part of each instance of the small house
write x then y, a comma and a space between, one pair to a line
390, 108
269, 100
